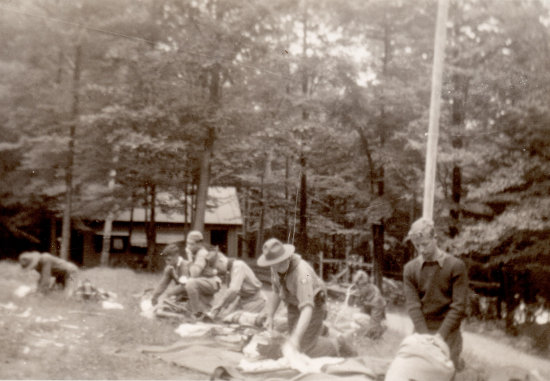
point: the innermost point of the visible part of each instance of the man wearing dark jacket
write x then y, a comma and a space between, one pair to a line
436, 289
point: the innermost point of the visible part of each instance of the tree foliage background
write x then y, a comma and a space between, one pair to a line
316, 111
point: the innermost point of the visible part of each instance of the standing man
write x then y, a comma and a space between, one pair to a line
176, 268
242, 284
295, 283
436, 289
48, 266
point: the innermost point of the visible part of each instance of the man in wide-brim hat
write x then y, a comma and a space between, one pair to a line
295, 283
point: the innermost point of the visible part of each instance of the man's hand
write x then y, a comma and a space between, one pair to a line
154, 301
214, 312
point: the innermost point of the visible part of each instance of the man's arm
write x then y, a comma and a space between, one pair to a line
413, 303
272, 306
303, 322
199, 264
237, 279
163, 285
457, 311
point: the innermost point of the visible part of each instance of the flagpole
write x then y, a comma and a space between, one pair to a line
435, 104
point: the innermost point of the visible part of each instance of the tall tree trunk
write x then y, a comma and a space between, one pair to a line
378, 228
130, 226
458, 115
108, 226
266, 180
67, 212
204, 181
244, 241
151, 230
53, 235
287, 218
378, 237
302, 242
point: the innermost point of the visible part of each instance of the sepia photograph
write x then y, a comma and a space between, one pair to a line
303, 190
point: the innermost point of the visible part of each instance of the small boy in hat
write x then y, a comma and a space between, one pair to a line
371, 302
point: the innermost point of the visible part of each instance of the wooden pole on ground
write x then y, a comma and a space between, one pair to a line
435, 102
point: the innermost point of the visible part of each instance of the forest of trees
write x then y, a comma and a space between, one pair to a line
316, 110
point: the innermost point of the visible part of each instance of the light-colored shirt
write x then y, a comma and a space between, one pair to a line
299, 285
243, 279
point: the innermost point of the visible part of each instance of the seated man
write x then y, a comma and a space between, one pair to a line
371, 302
242, 284
296, 284
48, 266
203, 280
176, 268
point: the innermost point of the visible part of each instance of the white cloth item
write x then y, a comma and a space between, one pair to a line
305, 364
9, 306
147, 309
109, 305
194, 330
421, 357
182, 279
250, 351
252, 366
22, 291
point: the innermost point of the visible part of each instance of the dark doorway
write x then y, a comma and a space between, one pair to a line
77, 247
219, 238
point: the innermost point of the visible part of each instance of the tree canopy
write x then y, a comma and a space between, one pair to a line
271, 96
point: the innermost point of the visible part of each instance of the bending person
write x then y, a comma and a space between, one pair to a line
176, 268
242, 284
295, 283
48, 266
203, 280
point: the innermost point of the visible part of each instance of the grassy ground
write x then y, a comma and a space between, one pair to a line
57, 338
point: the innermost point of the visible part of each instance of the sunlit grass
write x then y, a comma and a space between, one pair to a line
52, 337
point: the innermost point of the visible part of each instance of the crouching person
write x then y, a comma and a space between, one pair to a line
65, 273
203, 280
176, 268
371, 302
295, 283
242, 285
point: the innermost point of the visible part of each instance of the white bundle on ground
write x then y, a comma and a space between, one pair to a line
23, 291
147, 309
110, 305
194, 330
250, 351
305, 364
267, 365
421, 358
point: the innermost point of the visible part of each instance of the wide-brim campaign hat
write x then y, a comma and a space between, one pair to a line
274, 251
